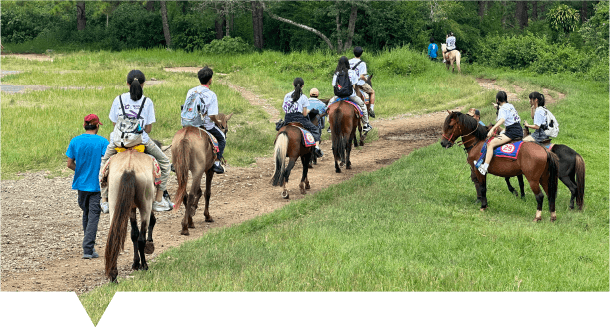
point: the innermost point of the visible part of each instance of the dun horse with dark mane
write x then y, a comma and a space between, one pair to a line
537, 164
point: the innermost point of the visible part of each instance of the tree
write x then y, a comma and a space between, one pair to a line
81, 19
257, 24
482, 9
521, 13
583, 11
563, 18
534, 10
168, 37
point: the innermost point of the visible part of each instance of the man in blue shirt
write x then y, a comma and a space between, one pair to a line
432, 50
85, 154
316, 103
476, 114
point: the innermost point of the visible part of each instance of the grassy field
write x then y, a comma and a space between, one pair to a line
37, 126
418, 228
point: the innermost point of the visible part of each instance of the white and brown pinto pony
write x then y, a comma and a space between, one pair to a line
131, 185
451, 57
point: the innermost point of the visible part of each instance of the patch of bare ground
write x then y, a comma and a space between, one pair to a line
38, 57
41, 229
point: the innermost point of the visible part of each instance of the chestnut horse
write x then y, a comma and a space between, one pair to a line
192, 151
571, 173
537, 164
131, 185
289, 143
343, 122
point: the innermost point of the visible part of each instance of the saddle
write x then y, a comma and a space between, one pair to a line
138, 148
296, 124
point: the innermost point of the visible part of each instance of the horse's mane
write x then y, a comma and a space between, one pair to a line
469, 123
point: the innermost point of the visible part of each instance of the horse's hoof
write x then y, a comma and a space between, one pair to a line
361, 143
348, 167
135, 266
307, 186
185, 232
310, 166
337, 170
538, 219
285, 195
553, 217
149, 248
191, 225
209, 219
144, 267
341, 164
516, 193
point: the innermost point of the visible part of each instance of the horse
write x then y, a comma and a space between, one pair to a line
131, 185
539, 166
343, 123
289, 143
571, 173
192, 151
454, 56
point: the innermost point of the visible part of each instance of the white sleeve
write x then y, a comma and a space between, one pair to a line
114, 110
363, 70
353, 77
304, 101
213, 106
149, 118
335, 79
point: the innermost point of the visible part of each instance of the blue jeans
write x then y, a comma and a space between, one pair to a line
89, 202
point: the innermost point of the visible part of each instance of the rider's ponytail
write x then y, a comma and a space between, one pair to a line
540, 97
135, 79
298, 88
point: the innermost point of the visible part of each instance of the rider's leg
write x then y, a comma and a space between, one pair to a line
368, 89
529, 138
153, 149
495, 142
365, 117
109, 152
221, 138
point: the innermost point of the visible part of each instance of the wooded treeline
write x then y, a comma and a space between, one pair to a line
295, 25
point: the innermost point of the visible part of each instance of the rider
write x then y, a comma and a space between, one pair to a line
132, 101
507, 115
210, 121
344, 67
359, 67
317, 104
539, 116
476, 114
295, 107
450, 41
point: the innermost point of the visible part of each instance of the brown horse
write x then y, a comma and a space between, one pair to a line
131, 185
343, 121
289, 143
192, 151
538, 165
571, 172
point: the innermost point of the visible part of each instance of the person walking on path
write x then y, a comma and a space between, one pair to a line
85, 153
432, 50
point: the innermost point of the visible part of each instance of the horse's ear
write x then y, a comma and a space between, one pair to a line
229, 117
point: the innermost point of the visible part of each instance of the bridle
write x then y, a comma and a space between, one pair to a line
461, 142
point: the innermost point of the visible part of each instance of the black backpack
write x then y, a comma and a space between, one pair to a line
343, 88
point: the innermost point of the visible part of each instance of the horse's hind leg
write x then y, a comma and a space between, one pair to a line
135, 233
535, 185
545, 186
510, 187
521, 185
573, 189
142, 242
303, 185
194, 206
150, 245
208, 191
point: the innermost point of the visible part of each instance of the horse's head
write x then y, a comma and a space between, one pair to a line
452, 128
368, 80
443, 47
224, 119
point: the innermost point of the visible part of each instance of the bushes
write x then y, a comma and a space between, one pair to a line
132, 26
401, 61
227, 45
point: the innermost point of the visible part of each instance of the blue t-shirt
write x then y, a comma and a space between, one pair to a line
315, 103
481, 122
87, 151
432, 50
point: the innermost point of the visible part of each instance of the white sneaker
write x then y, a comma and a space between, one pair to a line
161, 206
105, 207
367, 128
483, 169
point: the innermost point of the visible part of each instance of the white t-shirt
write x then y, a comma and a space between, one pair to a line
131, 109
540, 116
360, 69
353, 78
451, 43
294, 107
509, 114
210, 107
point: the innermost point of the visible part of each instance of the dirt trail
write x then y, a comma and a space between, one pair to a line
41, 231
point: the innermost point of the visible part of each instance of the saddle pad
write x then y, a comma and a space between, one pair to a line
308, 138
509, 150
213, 139
358, 109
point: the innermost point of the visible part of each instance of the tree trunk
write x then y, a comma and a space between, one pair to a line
220, 21
503, 14
482, 9
583, 12
541, 12
339, 41
305, 27
231, 25
534, 10
351, 27
168, 37
81, 19
183, 7
521, 13
150, 5
257, 24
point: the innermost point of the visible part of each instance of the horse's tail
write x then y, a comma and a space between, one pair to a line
339, 142
553, 167
281, 147
458, 58
118, 227
182, 158
580, 181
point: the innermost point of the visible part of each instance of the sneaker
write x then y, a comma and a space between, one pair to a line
218, 169
91, 256
328, 130
105, 207
161, 206
166, 197
372, 113
367, 128
172, 168
483, 169
319, 152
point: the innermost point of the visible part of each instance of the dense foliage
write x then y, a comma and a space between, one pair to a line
554, 38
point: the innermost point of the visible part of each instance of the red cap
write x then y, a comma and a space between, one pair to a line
92, 119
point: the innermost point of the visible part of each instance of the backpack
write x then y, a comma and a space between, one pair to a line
190, 112
551, 128
127, 130
355, 66
343, 88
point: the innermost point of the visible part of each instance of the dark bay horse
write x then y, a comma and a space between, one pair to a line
571, 173
538, 165
343, 121
289, 143
192, 151
131, 185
